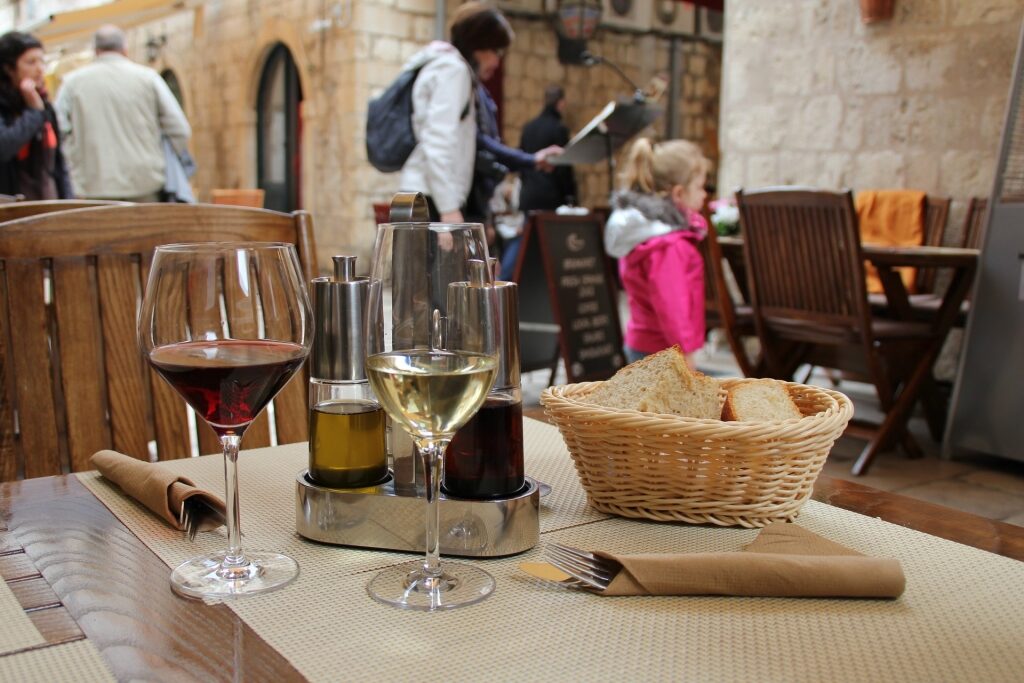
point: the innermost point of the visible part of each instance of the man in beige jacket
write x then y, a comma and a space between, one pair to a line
112, 114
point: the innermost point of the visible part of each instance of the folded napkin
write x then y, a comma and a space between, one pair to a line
892, 218
785, 560
155, 487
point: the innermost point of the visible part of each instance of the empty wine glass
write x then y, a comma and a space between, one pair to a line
431, 360
227, 325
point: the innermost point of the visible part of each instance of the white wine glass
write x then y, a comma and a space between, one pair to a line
227, 325
431, 360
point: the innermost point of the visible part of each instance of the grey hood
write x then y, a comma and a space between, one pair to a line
637, 218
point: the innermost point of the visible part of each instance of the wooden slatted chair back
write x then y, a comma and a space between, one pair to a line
974, 222
16, 210
720, 305
936, 216
74, 380
805, 265
713, 316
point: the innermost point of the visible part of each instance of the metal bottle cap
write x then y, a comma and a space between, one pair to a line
339, 304
506, 295
508, 335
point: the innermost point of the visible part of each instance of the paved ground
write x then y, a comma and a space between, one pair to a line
986, 486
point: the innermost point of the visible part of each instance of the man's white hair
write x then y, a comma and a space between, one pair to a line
109, 38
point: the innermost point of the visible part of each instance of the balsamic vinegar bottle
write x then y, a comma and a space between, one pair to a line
347, 442
485, 459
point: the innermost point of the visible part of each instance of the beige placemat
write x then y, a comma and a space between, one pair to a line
16, 630
79, 661
960, 618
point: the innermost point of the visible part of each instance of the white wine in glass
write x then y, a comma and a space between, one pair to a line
431, 360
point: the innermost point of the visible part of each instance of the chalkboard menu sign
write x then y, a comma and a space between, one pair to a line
567, 295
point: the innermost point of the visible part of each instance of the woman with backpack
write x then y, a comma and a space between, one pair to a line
453, 119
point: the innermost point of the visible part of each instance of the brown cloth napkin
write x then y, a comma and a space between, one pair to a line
892, 218
785, 560
155, 487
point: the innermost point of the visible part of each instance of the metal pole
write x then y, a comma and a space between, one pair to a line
674, 79
440, 11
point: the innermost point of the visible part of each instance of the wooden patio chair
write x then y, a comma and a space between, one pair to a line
936, 216
252, 197
74, 381
736, 319
805, 272
974, 222
16, 210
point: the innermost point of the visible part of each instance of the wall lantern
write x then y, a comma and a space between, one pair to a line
576, 22
154, 46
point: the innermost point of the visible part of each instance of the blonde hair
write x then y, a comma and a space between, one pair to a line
653, 168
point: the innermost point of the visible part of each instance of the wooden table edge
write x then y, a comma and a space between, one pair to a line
142, 630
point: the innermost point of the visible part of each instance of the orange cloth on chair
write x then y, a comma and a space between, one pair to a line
892, 218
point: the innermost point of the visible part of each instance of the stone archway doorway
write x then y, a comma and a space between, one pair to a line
279, 132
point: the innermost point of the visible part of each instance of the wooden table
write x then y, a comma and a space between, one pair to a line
79, 572
919, 383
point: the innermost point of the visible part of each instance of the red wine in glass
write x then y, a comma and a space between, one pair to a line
228, 381
485, 458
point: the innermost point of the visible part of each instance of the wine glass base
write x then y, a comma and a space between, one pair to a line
203, 577
405, 586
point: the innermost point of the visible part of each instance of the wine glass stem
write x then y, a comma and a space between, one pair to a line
235, 559
432, 452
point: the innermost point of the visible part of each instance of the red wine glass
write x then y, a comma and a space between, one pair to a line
227, 325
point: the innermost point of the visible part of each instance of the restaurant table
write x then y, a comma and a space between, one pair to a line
920, 383
81, 574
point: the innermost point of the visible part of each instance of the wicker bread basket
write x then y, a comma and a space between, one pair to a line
669, 468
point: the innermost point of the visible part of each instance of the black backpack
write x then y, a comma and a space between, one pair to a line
389, 135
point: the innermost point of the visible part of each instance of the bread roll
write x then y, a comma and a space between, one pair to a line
759, 400
661, 383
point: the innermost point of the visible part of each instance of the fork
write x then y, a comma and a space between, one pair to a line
195, 511
540, 572
595, 572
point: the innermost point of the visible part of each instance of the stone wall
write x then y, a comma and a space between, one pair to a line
811, 95
345, 58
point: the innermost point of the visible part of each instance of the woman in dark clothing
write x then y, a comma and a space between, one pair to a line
31, 163
482, 34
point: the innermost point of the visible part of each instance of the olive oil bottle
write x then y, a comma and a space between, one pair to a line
347, 426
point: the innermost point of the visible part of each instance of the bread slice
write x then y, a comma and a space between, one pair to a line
661, 383
759, 400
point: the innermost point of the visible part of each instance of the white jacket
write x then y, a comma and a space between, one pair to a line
112, 114
441, 166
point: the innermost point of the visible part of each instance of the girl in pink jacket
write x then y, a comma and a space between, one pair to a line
653, 230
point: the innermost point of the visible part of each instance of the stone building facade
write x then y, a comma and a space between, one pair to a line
811, 95
345, 52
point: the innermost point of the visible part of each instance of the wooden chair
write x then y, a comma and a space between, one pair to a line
809, 297
936, 216
74, 380
16, 210
251, 197
735, 319
974, 223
